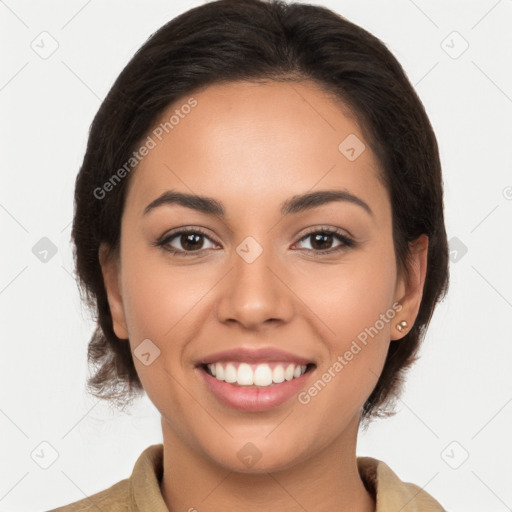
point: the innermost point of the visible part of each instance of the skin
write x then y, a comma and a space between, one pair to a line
251, 147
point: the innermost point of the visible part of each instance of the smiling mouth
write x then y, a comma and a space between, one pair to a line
256, 375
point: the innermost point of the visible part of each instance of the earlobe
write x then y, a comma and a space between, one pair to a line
410, 291
109, 263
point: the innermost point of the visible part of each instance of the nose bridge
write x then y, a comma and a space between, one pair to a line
252, 262
254, 294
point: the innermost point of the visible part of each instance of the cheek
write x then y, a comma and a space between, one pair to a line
166, 304
355, 302
345, 379
351, 296
157, 296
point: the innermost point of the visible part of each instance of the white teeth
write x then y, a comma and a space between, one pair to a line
230, 374
278, 374
288, 373
245, 375
262, 374
219, 372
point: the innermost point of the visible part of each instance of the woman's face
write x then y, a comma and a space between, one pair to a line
262, 280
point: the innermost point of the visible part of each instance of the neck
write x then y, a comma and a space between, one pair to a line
327, 481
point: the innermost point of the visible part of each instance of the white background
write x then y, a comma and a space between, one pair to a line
460, 390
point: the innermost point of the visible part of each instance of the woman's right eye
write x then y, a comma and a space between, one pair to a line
185, 242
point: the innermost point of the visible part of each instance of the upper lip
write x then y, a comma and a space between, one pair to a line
260, 355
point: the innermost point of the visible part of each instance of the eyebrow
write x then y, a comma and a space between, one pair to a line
295, 204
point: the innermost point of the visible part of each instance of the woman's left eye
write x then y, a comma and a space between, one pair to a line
322, 238
192, 242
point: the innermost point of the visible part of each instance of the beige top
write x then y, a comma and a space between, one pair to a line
141, 492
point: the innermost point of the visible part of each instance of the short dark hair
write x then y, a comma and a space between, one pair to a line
250, 40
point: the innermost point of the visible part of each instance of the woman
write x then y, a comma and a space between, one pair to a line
259, 226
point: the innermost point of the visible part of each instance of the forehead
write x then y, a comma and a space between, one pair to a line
251, 142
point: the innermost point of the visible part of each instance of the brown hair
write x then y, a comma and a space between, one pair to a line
232, 40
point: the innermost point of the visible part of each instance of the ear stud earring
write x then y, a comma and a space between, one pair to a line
402, 325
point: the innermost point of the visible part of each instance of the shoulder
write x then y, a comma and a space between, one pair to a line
390, 492
141, 491
113, 499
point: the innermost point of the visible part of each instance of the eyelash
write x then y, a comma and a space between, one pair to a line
347, 242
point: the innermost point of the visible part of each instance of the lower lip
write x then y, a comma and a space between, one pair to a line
254, 399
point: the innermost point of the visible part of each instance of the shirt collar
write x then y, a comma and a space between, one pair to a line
390, 493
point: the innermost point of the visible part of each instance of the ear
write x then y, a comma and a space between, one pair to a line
110, 268
409, 289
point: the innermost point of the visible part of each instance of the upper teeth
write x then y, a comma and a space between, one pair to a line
258, 374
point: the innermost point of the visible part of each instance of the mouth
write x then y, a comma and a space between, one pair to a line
256, 375
254, 381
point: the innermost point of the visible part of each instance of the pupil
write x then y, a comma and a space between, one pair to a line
190, 239
322, 238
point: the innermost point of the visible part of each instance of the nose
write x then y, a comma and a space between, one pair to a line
254, 294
